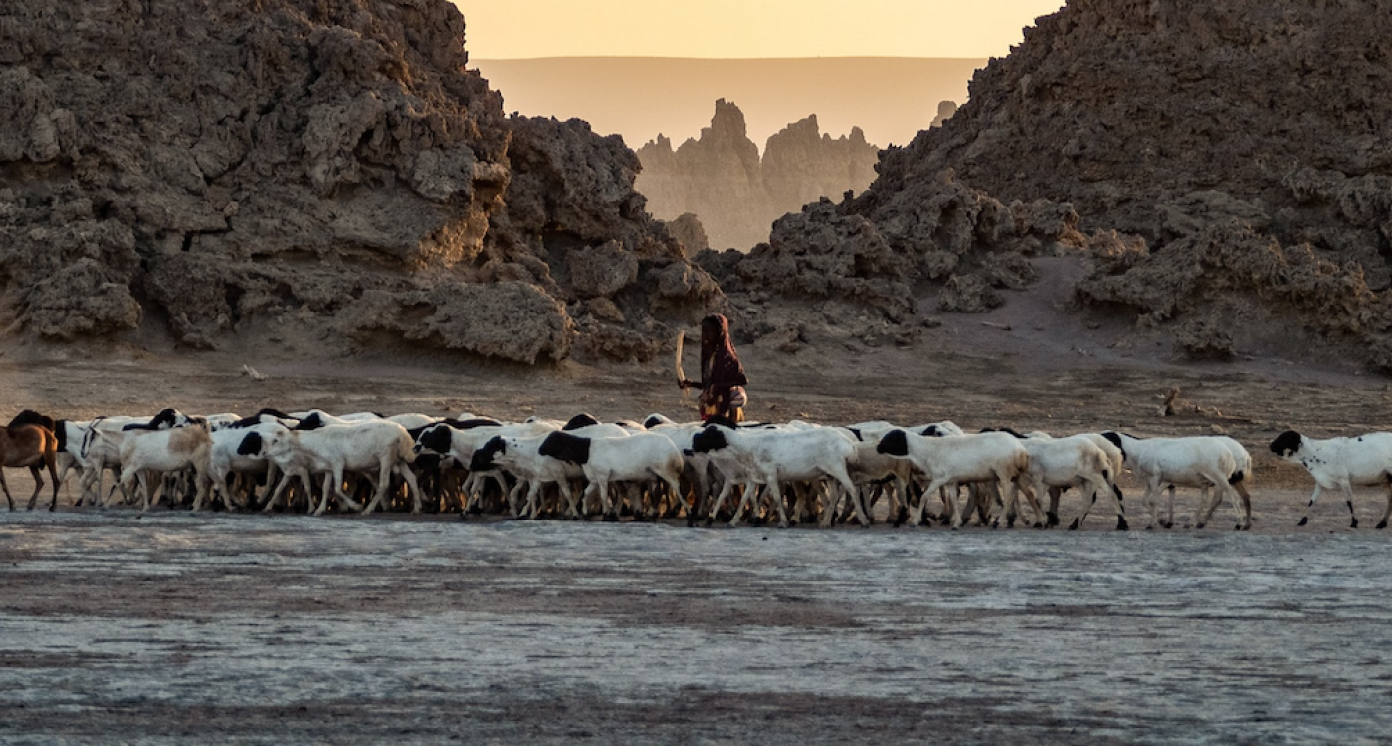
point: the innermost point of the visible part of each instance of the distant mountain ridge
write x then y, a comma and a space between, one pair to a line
889, 98
736, 194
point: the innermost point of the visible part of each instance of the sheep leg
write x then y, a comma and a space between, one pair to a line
1087, 508
843, 481
1388, 513
949, 503
127, 477
330, 486
532, 506
1245, 520
515, 503
383, 485
412, 486
1051, 516
673, 481
563, 486
1095, 487
1030, 497
586, 497
1115, 492
201, 490
69, 463
607, 504
279, 492
1009, 506
1348, 500
700, 499
775, 489
1169, 520
1313, 497
954, 507
720, 501
220, 490
1236, 495
1201, 511
1152, 486
746, 496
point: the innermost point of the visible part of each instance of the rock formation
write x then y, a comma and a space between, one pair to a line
945, 111
215, 163
1206, 157
721, 179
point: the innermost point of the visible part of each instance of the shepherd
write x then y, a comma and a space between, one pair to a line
722, 376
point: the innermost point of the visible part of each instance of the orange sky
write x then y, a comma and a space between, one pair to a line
518, 29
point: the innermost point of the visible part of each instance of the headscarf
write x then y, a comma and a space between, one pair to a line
720, 366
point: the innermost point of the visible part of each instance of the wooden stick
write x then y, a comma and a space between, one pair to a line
681, 373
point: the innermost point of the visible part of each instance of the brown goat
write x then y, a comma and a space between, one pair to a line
32, 446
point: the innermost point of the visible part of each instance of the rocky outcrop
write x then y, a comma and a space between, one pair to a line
219, 163
1211, 159
942, 231
721, 179
945, 111
687, 229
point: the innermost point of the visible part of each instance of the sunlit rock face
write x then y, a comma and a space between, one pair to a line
737, 194
214, 164
1225, 167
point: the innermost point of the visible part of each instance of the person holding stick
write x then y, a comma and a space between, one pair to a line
722, 376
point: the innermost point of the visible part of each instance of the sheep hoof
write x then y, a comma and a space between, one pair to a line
1303, 521
1074, 525
1121, 524
1382, 523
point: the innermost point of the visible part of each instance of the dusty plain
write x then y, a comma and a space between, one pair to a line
221, 628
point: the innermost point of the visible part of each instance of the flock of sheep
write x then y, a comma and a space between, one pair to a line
794, 471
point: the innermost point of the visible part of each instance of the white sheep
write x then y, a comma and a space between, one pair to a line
773, 456
143, 451
376, 448
1074, 461
952, 460
224, 459
1197, 461
638, 457
523, 458
1341, 463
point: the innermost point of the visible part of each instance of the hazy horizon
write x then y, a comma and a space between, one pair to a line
889, 98
735, 29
